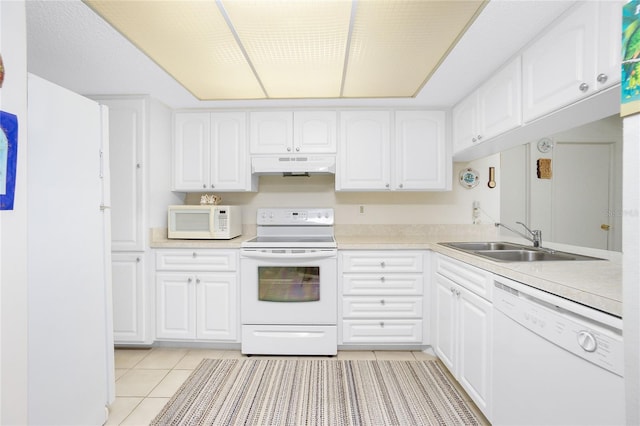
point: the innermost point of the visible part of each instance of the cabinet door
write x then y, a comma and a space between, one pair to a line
474, 341
271, 132
609, 37
314, 132
364, 160
217, 314
175, 306
229, 156
191, 151
127, 135
465, 123
445, 330
420, 150
128, 295
560, 67
500, 101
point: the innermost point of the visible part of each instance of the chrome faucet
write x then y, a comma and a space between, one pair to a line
535, 236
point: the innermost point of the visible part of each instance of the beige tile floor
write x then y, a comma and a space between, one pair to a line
147, 378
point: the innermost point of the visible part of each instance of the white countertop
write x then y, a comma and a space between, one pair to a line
594, 283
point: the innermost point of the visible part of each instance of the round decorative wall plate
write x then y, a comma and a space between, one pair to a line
469, 178
545, 145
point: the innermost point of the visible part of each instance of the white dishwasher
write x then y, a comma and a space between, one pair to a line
556, 362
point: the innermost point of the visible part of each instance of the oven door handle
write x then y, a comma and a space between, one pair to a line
289, 254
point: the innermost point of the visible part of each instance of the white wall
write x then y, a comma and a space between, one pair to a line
13, 225
447, 207
631, 268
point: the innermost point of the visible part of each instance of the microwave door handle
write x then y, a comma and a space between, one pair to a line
288, 254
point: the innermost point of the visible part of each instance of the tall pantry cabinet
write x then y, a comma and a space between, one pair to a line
128, 135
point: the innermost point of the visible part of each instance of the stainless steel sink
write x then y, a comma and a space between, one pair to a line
484, 245
511, 252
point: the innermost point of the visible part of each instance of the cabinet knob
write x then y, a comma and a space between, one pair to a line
602, 78
138, 259
387, 185
400, 186
382, 279
297, 149
197, 280
189, 280
479, 138
474, 140
382, 264
288, 149
381, 324
213, 186
583, 87
204, 186
138, 166
382, 302
195, 254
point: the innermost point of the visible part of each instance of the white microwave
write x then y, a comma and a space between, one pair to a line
208, 222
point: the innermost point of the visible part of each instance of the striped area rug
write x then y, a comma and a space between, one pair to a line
316, 392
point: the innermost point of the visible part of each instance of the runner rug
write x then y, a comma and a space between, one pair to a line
316, 392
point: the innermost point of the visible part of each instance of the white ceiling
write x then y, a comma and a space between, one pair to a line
70, 45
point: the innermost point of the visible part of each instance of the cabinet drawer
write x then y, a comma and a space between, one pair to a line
382, 284
375, 261
381, 307
474, 279
382, 331
196, 260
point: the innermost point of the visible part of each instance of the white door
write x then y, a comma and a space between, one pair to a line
364, 160
581, 168
191, 151
314, 131
217, 317
271, 132
420, 151
175, 306
229, 159
446, 323
69, 311
128, 297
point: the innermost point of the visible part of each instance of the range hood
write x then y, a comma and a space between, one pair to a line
293, 165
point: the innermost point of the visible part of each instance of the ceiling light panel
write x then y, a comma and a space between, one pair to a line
297, 47
396, 45
190, 40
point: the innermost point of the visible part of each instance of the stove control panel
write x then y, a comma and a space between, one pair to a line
293, 216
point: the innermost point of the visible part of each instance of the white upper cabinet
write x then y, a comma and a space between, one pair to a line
421, 157
576, 58
364, 160
210, 152
494, 108
416, 158
286, 132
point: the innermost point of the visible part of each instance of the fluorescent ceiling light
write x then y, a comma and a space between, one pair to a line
288, 49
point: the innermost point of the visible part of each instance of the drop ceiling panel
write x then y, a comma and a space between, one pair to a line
396, 45
297, 47
190, 40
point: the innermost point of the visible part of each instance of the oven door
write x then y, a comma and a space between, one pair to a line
289, 286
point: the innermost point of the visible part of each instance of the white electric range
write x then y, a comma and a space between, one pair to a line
289, 283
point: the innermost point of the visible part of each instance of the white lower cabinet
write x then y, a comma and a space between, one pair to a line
196, 295
463, 326
129, 298
382, 297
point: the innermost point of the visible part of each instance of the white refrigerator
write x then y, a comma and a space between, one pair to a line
70, 339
